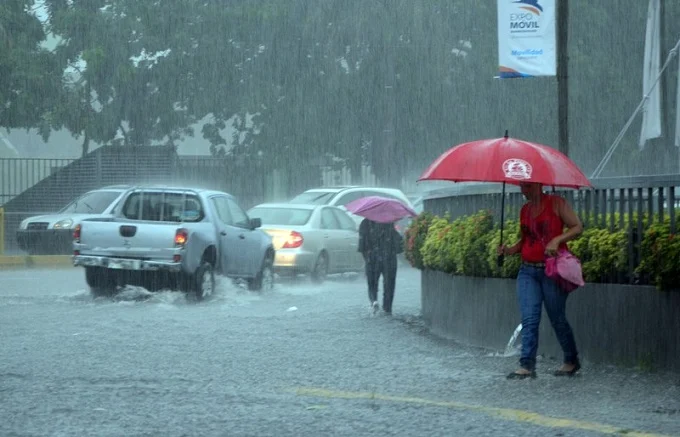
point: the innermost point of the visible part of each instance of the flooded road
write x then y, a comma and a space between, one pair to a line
300, 360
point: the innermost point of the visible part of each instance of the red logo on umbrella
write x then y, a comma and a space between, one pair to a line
517, 169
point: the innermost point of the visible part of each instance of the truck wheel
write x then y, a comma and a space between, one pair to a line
264, 281
102, 283
202, 282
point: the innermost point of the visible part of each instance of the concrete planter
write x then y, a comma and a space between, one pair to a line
613, 323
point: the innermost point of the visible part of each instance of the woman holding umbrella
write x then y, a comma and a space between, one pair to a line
543, 220
379, 243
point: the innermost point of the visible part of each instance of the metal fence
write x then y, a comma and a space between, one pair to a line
30, 187
35, 186
630, 203
246, 182
19, 174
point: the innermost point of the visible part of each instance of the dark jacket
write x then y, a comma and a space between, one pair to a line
379, 239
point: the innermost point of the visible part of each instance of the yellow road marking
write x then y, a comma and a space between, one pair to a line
23, 261
504, 413
12, 260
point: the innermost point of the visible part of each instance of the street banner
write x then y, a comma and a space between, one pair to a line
651, 87
526, 38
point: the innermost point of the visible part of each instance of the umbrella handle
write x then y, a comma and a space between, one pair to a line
501, 257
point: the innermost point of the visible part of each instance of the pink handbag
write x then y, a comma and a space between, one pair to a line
565, 269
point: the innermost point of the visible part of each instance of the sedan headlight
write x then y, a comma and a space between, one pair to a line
63, 224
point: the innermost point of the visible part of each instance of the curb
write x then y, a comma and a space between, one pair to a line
32, 261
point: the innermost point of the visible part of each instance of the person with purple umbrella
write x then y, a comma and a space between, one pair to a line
379, 243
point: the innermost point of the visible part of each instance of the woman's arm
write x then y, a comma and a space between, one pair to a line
571, 221
515, 248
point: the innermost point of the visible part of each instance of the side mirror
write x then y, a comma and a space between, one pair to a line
255, 222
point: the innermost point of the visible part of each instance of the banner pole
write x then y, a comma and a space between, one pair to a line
2, 231
562, 27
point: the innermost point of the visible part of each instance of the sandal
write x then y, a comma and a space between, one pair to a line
517, 375
572, 372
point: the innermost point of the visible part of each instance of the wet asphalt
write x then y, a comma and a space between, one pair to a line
301, 360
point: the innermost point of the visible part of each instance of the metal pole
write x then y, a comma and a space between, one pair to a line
390, 113
2, 231
562, 19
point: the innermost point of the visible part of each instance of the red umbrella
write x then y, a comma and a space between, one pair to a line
506, 160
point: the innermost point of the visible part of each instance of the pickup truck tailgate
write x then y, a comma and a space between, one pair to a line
128, 239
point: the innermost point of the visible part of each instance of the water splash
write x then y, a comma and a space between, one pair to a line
511, 349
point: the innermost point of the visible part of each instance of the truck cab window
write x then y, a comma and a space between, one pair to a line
163, 206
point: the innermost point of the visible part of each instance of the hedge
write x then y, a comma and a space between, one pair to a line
467, 246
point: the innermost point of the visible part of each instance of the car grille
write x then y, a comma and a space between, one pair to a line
37, 226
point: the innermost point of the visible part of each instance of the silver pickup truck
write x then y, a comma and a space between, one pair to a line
173, 238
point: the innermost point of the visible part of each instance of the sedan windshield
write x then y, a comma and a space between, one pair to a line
91, 203
281, 216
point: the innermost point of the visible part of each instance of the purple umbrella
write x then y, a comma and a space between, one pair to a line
380, 209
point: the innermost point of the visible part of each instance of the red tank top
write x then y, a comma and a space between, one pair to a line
539, 231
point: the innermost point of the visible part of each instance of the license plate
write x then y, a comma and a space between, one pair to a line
125, 264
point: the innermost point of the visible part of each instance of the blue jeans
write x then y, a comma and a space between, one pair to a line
534, 289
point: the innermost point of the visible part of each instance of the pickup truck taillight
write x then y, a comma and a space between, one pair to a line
293, 241
181, 237
76, 238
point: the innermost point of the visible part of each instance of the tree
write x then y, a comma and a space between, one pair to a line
360, 82
29, 73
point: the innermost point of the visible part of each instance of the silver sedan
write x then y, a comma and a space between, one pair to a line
314, 239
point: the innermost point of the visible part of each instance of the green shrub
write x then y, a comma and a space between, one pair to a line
437, 251
467, 246
660, 256
414, 238
607, 256
511, 235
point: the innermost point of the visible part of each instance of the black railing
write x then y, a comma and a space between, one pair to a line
19, 174
30, 187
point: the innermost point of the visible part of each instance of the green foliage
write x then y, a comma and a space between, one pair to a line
603, 254
458, 247
660, 255
468, 246
510, 267
316, 78
29, 74
415, 238
437, 250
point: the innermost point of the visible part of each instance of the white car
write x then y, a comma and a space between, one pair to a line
341, 196
311, 239
52, 234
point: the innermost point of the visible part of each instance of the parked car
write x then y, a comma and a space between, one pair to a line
173, 236
341, 196
312, 239
52, 234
